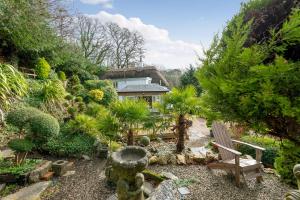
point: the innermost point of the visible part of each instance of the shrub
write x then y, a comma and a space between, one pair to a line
289, 156
271, 145
13, 85
52, 92
42, 68
114, 146
70, 145
74, 80
21, 147
62, 76
19, 117
145, 141
96, 95
82, 124
43, 127
7, 167
96, 110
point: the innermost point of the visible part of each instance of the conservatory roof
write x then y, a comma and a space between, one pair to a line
144, 88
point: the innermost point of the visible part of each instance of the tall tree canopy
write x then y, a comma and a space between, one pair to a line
255, 79
189, 78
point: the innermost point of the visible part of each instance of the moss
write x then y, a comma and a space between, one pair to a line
153, 176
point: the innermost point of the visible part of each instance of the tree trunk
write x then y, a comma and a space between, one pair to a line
181, 129
130, 137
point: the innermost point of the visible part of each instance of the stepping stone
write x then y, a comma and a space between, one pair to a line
32, 192
69, 173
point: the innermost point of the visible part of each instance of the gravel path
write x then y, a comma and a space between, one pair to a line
198, 133
86, 184
213, 185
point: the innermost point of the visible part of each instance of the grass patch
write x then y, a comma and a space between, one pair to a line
8, 167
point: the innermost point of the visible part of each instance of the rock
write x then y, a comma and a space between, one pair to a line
69, 173
7, 154
180, 159
39, 172
2, 186
163, 158
153, 160
86, 157
169, 175
32, 192
189, 158
199, 158
165, 191
211, 157
148, 188
113, 197
47, 176
173, 159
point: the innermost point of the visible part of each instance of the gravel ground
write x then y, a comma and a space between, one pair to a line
217, 185
86, 184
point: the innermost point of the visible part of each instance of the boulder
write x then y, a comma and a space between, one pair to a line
153, 160
189, 158
169, 175
199, 158
32, 192
165, 191
173, 159
211, 157
163, 158
180, 159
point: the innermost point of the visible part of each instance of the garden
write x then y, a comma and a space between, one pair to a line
64, 133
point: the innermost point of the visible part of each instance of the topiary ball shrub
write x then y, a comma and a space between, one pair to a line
19, 117
42, 68
289, 156
43, 127
96, 95
145, 141
21, 145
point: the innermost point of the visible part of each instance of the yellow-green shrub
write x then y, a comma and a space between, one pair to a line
42, 68
96, 95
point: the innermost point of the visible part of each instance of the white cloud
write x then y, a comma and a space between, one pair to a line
161, 50
104, 3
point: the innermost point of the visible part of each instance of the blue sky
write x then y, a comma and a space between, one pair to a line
173, 29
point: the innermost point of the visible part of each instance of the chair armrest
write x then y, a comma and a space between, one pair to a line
227, 149
250, 145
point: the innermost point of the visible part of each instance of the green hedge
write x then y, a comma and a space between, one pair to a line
70, 145
271, 145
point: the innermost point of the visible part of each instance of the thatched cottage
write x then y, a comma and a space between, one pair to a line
138, 82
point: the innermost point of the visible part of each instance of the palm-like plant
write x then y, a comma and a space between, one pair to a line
130, 113
12, 85
181, 102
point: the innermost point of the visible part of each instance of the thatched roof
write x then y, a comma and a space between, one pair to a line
137, 72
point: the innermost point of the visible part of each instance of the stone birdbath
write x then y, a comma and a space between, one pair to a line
128, 163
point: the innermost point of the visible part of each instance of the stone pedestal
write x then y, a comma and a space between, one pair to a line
127, 164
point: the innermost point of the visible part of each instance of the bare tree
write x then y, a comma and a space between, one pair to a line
92, 37
126, 46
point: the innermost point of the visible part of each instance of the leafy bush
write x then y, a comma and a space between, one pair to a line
13, 85
96, 95
70, 145
20, 116
145, 141
42, 68
62, 76
52, 91
289, 156
114, 146
271, 145
42, 128
82, 124
7, 167
96, 110
74, 80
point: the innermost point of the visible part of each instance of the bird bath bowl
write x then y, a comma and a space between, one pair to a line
129, 161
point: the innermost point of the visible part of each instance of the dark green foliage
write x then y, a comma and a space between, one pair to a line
7, 167
70, 145
249, 84
271, 145
21, 145
42, 128
289, 156
189, 78
20, 116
